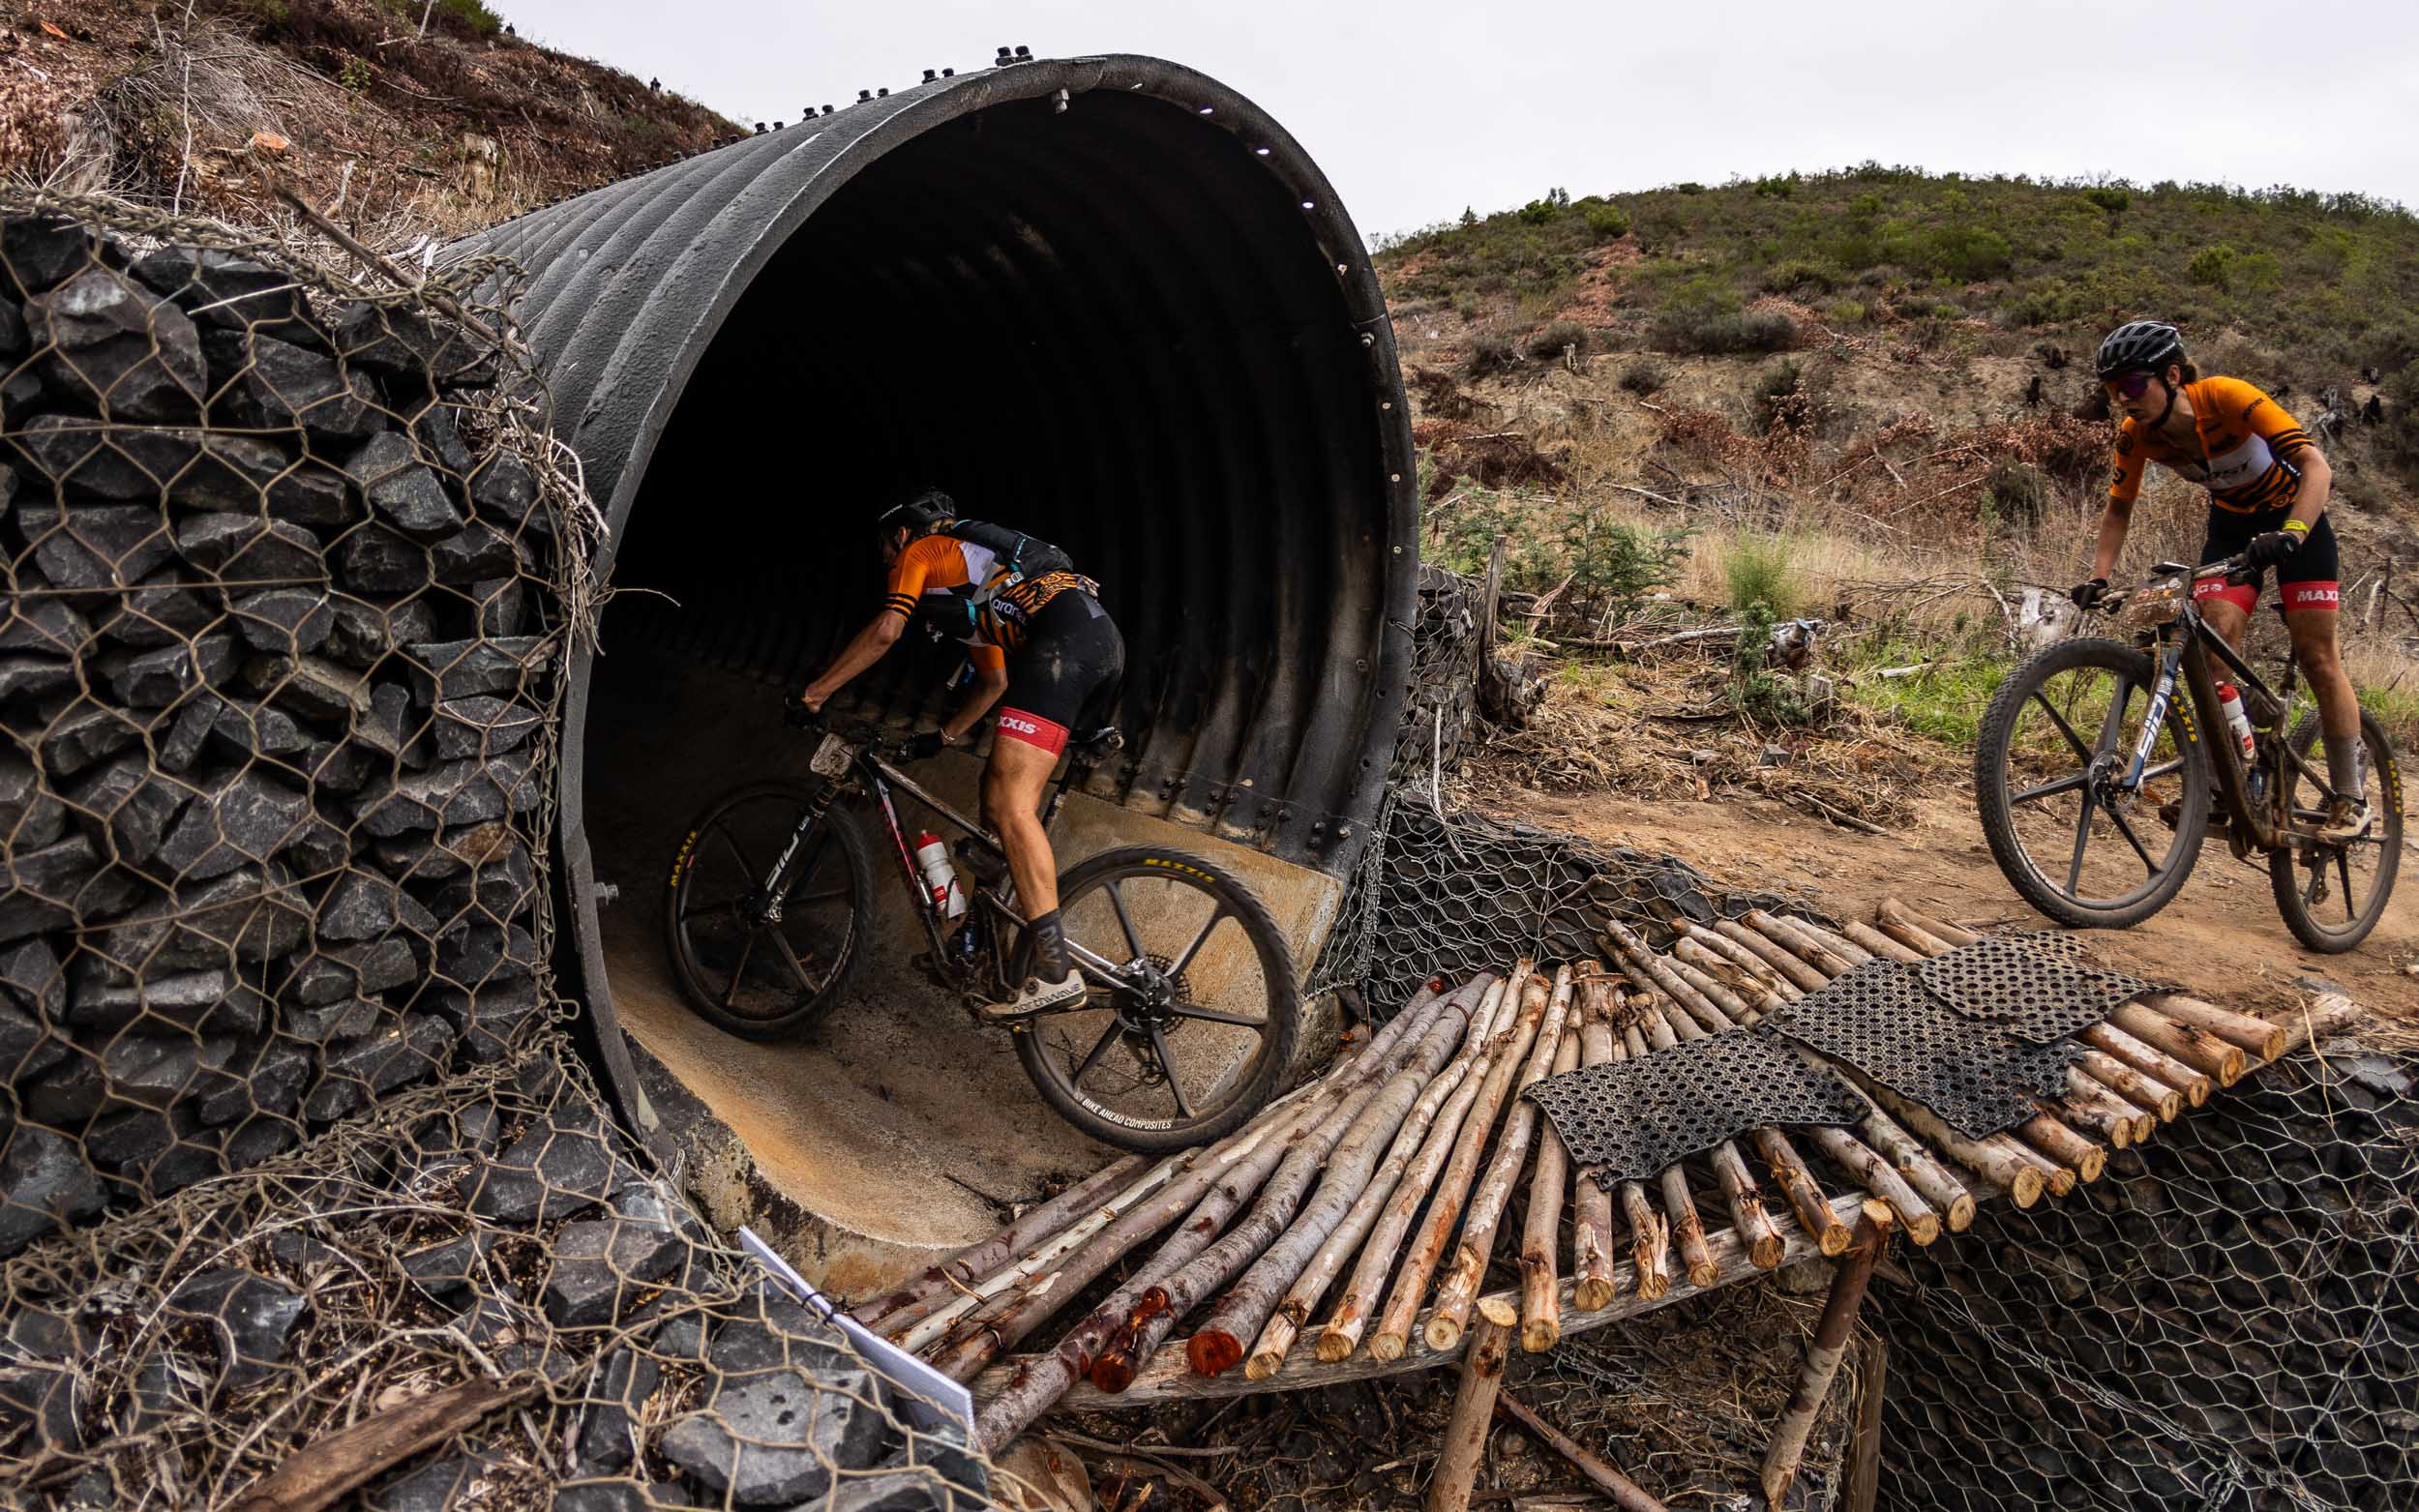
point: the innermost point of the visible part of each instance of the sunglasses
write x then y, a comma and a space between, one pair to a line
2131, 385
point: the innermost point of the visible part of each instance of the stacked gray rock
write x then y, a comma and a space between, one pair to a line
274, 688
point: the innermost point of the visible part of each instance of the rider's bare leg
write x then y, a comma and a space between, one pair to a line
1012, 787
2322, 663
2228, 619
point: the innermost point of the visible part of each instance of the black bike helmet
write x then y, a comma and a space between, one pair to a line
919, 510
2139, 346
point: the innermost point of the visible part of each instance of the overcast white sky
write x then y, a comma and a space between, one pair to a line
1418, 109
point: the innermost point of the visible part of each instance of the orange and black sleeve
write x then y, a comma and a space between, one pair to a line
2131, 457
2247, 408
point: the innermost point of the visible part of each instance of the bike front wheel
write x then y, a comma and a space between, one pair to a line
2332, 896
2058, 734
766, 965
1191, 1011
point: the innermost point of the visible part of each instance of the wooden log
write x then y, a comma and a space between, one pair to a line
1880, 944
1914, 940
1474, 1413
320, 1473
2138, 1088
2094, 1107
1918, 1167
2258, 1036
1731, 1175
1718, 1009
1592, 1202
1453, 1185
1683, 1225
892, 1311
1362, 1293
2152, 1062
2084, 1157
1457, 1292
2197, 1048
1757, 992
1951, 934
1845, 949
1747, 961
1205, 1199
1822, 1358
1169, 1378
1293, 1310
1860, 1476
1786, 934
1798, 971
1916, 1216
1997, 1160
1362, 1121
1540, 1237
1625, 1493
2057, 1179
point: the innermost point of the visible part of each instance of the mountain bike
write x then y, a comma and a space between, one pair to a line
2088, 742
1190, 1014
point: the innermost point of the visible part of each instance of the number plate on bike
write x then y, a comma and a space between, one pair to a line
831, 757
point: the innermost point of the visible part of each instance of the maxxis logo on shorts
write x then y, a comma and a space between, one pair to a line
2312, 596
1021, 726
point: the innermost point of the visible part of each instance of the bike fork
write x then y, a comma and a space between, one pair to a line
772, 885
2161, 695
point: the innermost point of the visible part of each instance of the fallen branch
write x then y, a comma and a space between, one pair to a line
1625, 1493
320, 1473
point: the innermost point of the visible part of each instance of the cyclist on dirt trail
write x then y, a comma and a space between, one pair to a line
1042, 648
2268, 488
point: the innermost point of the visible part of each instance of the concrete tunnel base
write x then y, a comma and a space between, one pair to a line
898, 1128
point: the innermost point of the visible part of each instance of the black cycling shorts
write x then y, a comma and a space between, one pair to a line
1073, 657
2307, 580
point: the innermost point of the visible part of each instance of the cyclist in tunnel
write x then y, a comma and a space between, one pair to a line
1043, 649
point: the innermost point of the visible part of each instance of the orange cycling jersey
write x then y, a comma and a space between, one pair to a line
938, 576
2246, 444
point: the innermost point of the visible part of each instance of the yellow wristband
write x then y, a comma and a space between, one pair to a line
2297, 527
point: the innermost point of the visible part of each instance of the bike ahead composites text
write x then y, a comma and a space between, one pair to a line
1190, 1016
2095, 774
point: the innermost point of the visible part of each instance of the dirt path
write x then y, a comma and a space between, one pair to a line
2222, 935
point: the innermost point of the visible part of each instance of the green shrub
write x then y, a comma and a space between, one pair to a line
1846, 312
354, 74
1615, 565
1787, 277
1758, 570
1644, 376
1704, 315
2109, 198
2399, 436
1776, 383
2392, 346
1606, 222
2016, 493
1755, 690
1777, 187
1539, 212
473, 16
1491, 352
1550, 341
2209, 265
1956, 254
1691, 186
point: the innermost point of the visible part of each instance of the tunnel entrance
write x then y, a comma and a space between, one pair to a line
1102, 300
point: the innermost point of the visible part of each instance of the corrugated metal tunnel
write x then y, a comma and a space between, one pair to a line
1106, 300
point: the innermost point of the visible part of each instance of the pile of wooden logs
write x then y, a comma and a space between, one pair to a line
1384, 1191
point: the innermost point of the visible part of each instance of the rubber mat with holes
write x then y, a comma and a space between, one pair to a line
1629, 1121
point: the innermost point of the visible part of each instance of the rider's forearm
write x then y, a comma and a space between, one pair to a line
2112, 523
971, 713
2317, 485
861, 652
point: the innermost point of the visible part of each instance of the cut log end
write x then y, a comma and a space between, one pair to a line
1114, 1370
1922, 1227
1764, 1253
1265, 1364
1335, 1347
1499, 1311
1540, 1334
1960, 1214
1834, 1238
2026, 1187
2091, 1164
2060, 1181
1442, 1333
1213, 1351
1387, 1347
1591, 1292
1702, 1274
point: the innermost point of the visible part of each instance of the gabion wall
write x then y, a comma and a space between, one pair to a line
291, 1133
276, 682
2226, 1321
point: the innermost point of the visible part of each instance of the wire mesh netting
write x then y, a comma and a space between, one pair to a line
2228, 1321
292, 1135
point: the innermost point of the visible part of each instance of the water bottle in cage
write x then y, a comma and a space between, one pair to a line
940, 876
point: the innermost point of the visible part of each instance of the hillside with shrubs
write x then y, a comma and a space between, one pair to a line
1865, 396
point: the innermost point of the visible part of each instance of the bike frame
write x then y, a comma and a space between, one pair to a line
2185, 644
879, 779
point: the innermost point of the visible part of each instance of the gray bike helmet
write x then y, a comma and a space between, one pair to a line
918, 510
2139, 346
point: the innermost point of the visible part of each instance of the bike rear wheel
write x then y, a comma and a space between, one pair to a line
1193, 1032
2059, 728
742, 966
2332, 896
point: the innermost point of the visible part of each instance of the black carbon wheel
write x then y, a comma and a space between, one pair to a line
740, 967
